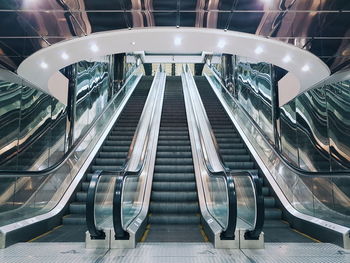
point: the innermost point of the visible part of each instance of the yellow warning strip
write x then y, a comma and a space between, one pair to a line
203, 234
301, 233
45, 234
145, 234
305, 235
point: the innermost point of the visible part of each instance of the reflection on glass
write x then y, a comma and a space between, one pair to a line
312, 134
104, 202
10, 99
327, 198
34, 133
289, 132
254, 91
246, 200
338, 111
27, 197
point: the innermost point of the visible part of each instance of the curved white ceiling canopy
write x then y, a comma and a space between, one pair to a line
39, 67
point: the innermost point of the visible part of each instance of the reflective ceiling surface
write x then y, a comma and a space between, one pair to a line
320, 26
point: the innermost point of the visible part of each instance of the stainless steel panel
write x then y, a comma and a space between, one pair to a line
34, 131
312, 133
10, 98
338, 112
289, 132
254, 86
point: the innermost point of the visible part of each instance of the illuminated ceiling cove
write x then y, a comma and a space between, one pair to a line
319, 26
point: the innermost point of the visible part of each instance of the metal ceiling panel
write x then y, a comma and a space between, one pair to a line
320, 26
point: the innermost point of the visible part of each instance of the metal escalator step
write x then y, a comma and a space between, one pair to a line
228, 140
174, 161
77, 208
240, 165
269, 202
176, 196
174, 169
120, 138
109, 161
81, 196
105, 167
117, 143
237, 158
265, 191
173, 177
173, 133
174, 186
74, 219
174, 208
103, 154
174, 219
174, 148
231, 145
174, 154
174, 137
174, 143
273, 213
122, 149
229, 152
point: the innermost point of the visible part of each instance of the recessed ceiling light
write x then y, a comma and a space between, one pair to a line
286, 59
221, 43
258, 50
305, 68
177, 41
64, 56
94, 48
133, 43
44, 65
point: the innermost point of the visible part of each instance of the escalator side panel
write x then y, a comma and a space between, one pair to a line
110, 156
237, 157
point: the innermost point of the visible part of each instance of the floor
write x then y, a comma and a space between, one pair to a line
174, 252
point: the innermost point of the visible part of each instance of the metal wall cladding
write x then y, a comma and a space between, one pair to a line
338, 111
254, 92
288, 131
92, 85
10, 103
315, 128
312, 133
27, 116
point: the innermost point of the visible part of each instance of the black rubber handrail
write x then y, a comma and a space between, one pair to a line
229, 232
259, 199
66, 156
259, 204
95, 233
119, 232
298, 171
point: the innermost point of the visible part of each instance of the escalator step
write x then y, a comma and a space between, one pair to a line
174, 219
174, 208
173, 177
174, 196
174, 186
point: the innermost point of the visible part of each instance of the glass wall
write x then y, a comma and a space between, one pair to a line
32, 127
253, 90
92, 84
33, 133
314, 127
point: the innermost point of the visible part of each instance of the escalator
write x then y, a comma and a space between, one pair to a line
174, 214
237, 157
111, 156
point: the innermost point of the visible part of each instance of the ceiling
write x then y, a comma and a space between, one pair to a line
320, 26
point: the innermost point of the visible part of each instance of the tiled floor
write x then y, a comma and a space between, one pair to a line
174, 252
